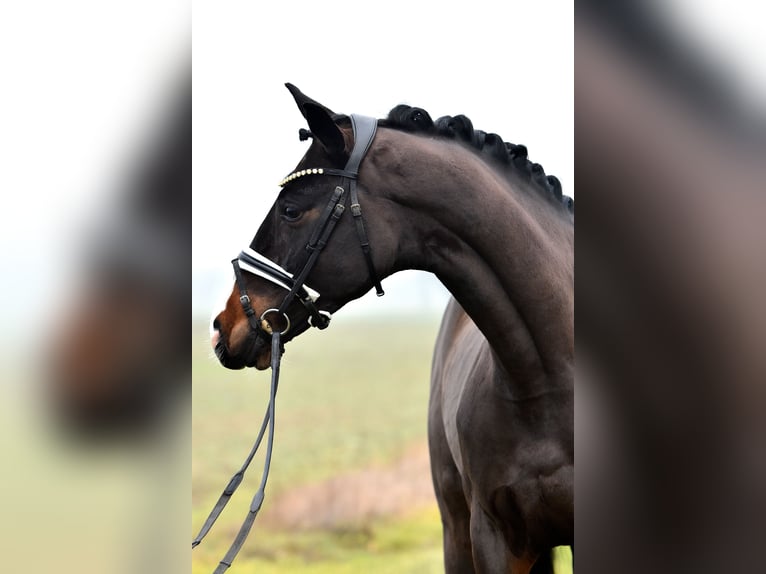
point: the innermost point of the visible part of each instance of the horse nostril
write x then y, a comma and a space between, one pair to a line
215, 333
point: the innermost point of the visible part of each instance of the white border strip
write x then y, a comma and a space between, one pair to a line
266, 261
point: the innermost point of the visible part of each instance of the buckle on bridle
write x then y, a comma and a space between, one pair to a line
323, 322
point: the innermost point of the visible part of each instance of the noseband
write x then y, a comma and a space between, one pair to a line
364, 129
257, 264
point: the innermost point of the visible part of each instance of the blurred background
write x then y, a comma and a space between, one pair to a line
95, 141
669, 148
242, 111
350, 487
95, 410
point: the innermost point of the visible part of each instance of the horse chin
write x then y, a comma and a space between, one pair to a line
257, 353
225, 359
262, 361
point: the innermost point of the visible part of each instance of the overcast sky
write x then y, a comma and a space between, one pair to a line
508, 67
83, 78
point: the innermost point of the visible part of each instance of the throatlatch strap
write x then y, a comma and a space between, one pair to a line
364, 132
356, 211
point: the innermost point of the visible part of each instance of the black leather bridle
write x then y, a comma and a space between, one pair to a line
364, 129
251, 261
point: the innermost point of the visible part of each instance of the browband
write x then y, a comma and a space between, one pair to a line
363, 126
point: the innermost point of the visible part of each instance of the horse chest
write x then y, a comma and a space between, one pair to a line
513, 458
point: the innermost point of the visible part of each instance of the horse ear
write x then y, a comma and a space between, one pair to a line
320, 121
302, 99
325, 130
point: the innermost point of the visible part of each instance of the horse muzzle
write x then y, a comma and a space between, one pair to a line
255, 351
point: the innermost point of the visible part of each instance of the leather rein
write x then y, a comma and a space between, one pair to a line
251, 261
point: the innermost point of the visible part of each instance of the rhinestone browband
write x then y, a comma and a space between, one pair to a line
317, 171
301, 173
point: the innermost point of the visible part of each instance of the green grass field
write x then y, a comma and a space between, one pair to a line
352, 402
352, 397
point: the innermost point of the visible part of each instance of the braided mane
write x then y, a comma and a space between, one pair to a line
417, 120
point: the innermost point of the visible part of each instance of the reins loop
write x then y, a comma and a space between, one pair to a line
253, 262
236, 479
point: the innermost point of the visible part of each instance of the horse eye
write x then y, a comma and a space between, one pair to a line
290, 213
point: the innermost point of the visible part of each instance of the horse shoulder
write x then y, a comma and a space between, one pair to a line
460, 362
513, 458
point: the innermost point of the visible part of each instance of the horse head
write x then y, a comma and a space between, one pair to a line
437, 196
282, 281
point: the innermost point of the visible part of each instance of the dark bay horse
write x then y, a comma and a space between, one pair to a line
497, 231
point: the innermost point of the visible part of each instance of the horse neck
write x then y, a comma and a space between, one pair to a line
503, 252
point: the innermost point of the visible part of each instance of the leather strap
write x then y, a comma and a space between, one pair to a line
244, 298
255, 505
364, 242
269, 270
364, 132
317, 242
233, 484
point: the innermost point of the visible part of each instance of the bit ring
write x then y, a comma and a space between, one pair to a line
266, 326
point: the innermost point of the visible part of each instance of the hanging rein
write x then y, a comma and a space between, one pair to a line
253, 262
